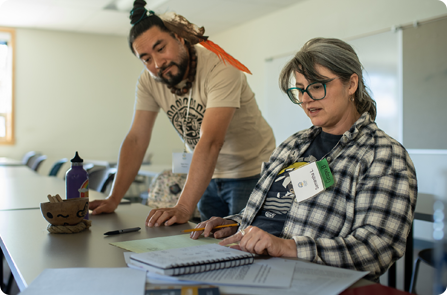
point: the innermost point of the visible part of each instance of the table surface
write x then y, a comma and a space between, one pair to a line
29, 248
17, 171
22, 188
28, 192
150, 170
147, 170
424, 207
89, 248
10, 162
153, 169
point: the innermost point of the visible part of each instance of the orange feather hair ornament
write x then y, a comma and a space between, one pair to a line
224, 56
194, 34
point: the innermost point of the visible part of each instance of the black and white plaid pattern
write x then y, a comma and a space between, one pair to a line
363, 220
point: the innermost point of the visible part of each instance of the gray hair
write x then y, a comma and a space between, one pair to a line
337, 56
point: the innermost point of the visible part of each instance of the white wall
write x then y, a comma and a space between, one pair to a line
75, 91
287, 30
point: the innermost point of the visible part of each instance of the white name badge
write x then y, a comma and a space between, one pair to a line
306, 182
181, 162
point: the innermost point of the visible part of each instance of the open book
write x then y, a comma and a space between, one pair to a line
191, 259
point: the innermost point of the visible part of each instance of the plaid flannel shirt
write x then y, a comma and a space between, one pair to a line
363, 220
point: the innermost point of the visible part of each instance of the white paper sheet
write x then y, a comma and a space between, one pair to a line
88, 281
271, 272
308, 279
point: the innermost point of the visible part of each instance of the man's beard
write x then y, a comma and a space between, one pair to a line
173, 80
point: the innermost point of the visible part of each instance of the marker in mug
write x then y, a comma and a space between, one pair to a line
122, 231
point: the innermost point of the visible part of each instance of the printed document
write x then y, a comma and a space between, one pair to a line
163, 243
292, 276
271, 272
308, 279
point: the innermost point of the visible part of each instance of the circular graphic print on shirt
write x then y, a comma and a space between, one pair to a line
187, 124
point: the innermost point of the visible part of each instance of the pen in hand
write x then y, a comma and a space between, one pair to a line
202, 228
122, 231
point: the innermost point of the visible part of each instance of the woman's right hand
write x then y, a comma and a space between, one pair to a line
218, 233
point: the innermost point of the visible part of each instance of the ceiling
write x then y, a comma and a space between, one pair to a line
101, 16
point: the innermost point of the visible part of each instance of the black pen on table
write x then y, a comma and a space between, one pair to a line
122, 231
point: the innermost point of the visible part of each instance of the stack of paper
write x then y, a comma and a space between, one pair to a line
189, 260
265, 276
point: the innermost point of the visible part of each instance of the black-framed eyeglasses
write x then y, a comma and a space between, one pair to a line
316, 91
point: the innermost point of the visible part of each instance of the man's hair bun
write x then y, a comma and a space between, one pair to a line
138, 12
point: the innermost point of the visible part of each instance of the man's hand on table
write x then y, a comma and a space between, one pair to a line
103, 206
168, 216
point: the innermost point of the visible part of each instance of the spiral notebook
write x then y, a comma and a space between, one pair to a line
190, 260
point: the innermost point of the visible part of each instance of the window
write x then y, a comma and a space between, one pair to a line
6, 86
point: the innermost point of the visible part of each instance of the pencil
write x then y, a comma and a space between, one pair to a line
202, 228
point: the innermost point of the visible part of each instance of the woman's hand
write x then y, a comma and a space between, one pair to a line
218, 233
255, 240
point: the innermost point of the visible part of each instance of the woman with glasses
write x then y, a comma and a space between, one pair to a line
341, 193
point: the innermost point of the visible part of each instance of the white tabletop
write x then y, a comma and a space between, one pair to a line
10, 162
424, 207
27, 189
153, 170
29, 248
17, 171
150, 170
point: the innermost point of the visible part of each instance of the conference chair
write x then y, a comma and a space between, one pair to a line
426, 256
88, 166
5, 286
27, 157
32, 160
108, 182
100, 178
37, 162
57, 166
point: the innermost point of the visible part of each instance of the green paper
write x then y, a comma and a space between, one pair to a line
164, 243
325, 173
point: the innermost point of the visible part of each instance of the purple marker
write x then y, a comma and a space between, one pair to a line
76, 181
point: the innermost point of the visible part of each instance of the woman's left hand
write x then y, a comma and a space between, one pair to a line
255, 240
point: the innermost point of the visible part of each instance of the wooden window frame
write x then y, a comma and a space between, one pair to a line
10, 138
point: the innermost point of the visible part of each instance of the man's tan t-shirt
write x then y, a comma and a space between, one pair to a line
249, 140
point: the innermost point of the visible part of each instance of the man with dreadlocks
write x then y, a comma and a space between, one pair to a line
205, 94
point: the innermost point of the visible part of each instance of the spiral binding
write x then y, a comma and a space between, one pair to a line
209, 265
